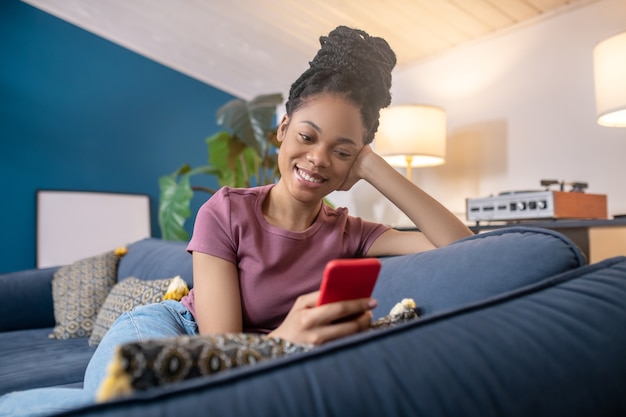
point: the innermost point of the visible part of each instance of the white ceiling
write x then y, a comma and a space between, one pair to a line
251, 47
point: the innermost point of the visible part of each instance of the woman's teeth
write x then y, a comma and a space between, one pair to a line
307, 177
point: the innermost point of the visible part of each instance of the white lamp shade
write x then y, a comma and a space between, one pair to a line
414, 131
609, 60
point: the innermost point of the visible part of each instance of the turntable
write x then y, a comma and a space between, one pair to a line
539, 204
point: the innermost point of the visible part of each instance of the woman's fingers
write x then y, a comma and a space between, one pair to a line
342, 328
309, 324
342, 310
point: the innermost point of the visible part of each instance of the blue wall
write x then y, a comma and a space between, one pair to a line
78, 112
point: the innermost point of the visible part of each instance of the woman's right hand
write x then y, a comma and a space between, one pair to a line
308, 324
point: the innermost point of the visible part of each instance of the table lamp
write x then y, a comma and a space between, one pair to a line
609, 62
412, 136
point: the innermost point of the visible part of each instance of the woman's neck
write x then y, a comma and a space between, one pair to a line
281, 210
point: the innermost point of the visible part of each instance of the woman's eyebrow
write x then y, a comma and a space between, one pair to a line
313, 125
319, 130
347, 141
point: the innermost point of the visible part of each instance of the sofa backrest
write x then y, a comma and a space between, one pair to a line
466, 271
475, 268
153, 258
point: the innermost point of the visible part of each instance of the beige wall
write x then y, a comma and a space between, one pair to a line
520, 107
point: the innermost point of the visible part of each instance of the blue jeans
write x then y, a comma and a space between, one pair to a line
166, 319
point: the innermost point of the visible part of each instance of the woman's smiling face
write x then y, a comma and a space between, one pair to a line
319, 144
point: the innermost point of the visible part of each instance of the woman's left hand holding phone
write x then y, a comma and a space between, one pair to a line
307, 324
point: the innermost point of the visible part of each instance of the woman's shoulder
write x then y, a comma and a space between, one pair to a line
331, 211
238, 194
341, 215
235, 193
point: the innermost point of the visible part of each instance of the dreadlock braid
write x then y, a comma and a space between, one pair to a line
353, 64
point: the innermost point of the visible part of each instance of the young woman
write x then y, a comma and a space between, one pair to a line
259, 253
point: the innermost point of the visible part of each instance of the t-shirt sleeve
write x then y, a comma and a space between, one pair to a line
362, 233
370, 232
212, 231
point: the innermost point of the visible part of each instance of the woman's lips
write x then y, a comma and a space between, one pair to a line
309, 177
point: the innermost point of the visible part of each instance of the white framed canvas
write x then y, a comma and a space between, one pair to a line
72, 225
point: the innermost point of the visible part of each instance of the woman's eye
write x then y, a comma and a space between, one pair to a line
305, 137
343, 154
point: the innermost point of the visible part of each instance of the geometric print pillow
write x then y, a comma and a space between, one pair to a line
78, 292
138, 366
123, 297
141, 365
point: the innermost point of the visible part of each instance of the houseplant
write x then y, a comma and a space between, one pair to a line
241, 155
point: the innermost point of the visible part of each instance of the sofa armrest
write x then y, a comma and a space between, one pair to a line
475, 268
26, 299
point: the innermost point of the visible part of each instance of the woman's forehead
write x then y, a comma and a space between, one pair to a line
331, 114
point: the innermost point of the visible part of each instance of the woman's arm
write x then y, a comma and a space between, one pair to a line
218, 307
217, 295
438, 226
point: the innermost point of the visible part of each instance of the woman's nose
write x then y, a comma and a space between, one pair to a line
318, 156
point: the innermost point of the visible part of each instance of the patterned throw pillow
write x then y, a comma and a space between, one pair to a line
78, 292
156, 362
152, 363
124, 296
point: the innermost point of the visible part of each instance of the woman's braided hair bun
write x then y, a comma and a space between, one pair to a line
353, 64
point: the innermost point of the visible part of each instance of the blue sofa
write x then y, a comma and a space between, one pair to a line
513, 323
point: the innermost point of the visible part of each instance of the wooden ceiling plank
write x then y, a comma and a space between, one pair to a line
485, 13
456, 17
548, 5
517, 10
420, 19
408, 34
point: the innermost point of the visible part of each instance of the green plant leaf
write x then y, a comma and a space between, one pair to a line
219, 157
174, 207
248, 168
235, 163
251, 121
241, 157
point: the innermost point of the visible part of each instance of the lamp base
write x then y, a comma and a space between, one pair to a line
409, 167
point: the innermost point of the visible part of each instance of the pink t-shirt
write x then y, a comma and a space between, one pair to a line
275, 265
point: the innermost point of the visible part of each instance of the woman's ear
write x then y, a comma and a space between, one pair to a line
282, 128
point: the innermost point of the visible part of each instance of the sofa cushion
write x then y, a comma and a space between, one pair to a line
130, 293
153, 258
475, 268
30, 359
78, 292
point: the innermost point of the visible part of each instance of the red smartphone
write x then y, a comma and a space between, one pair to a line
348, 279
